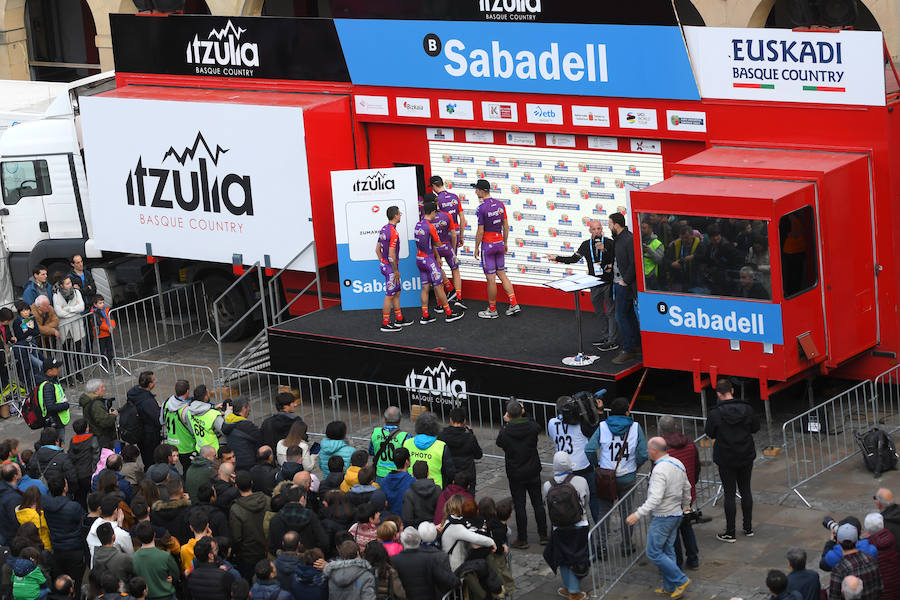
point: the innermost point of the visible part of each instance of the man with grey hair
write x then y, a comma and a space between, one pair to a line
518, 438
852, 588
802, 580
385, 440
884, 501
95, 408
668, 497
888, 558
423, 574
426, 447
46, 320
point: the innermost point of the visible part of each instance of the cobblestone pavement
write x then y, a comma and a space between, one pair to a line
781, 519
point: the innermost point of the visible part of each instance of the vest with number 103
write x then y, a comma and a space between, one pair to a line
611, 444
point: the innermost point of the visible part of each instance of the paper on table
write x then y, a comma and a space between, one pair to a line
565, 285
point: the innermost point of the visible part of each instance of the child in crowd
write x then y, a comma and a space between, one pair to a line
495, 516
335, 475
103, 326
358, 460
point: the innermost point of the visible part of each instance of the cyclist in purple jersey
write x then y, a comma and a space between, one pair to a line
387, 249
447, 233
449, 203
490, 244
427, 242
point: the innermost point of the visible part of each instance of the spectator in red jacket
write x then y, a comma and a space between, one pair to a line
683, 448
888, 557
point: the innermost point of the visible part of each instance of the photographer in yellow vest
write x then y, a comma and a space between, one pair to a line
426, 447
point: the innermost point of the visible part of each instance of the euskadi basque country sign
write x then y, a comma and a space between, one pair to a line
711, 317
788, 66
361, 199
547, 58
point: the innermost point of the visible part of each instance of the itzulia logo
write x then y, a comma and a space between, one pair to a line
211, 187
374, 183
436, 384
509, 6
223, 47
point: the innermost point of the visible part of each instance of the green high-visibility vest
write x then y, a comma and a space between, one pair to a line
650, 267
60, 397
204, 432
433, 455
386, 461
177, 433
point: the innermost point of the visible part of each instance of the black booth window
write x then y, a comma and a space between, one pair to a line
705, 256
799, 266
24, 178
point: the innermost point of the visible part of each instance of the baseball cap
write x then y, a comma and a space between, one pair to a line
847, 533
158, 473
436, 180
50, 363
482, 184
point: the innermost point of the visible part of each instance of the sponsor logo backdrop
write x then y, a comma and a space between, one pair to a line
549, 194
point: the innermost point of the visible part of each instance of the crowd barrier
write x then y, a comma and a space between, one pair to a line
887, 399
166, 373
825, 435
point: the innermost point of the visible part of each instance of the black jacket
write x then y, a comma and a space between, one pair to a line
208, 582
891, 515
245, 438
49, 460
296, 517
286, 564
420, 501
624, 254
218, 518
173, 516
148, 410
422, 575
519, 439
64, 519
10, 498
586, 251
732, 424
332, 482
87, 287
84, 454
333, 525
226, 493
275, 428
464, 448
263, 476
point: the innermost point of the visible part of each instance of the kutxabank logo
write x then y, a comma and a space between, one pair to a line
223, 53
436, 384
207, 193
376, 182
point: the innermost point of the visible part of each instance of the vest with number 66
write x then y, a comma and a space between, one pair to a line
610, 446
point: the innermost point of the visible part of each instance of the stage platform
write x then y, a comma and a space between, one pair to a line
520, 355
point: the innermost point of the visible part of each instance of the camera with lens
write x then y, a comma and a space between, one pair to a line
581, 409
831, 525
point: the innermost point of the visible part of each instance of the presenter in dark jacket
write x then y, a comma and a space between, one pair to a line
625, 290
518, 439
462, 444
731, 425
598, 252
147, 407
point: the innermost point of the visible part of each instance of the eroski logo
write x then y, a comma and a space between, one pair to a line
374, 183
207, 193
437, 384
223, 48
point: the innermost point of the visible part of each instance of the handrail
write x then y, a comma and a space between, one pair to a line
274, 297
259, 303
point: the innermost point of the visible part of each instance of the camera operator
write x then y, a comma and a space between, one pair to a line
577, 417
832, 553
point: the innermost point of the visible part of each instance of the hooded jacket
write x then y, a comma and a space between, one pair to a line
114, 560
619, 426
518, 439
331, 447
172, 515
28, 580
732, 424
350, 580
309, 583
101, 422
37, 518
464, 449
275, 428
64, 517
888, 563
682, 448
286, 564
419, 502
148, 410
287, 471
53, 459
394, 486
246, 520
293, 516
332, 482
244, 438
84, 450
197, 474
269, 589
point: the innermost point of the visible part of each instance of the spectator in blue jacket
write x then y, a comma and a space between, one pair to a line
37, 285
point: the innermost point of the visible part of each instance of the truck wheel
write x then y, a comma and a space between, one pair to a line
229, 310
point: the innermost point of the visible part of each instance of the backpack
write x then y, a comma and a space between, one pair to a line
878, 451
31, 409
563, 503
42, 474
131, 427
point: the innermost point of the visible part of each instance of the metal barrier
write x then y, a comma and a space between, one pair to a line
887, 399
361, 404
612, 554
166, 373
825, 435
152, 322
316, 394
456, 593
